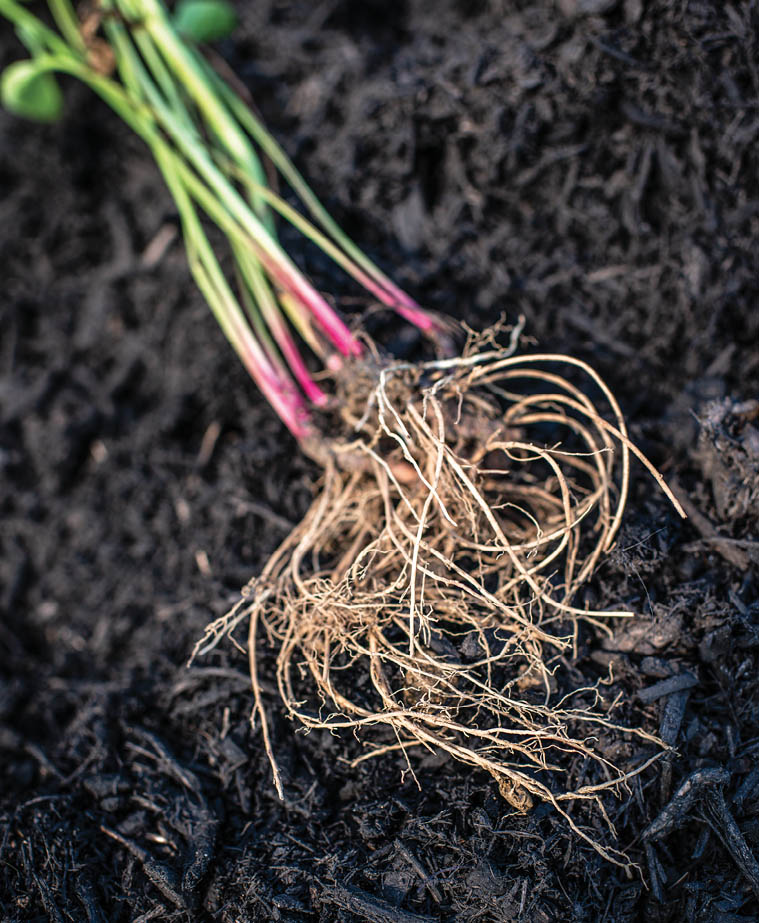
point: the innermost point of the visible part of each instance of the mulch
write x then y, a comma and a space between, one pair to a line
589, 164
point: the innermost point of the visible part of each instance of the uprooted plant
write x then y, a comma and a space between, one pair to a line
464, 500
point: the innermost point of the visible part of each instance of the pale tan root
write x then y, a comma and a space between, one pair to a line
441, 559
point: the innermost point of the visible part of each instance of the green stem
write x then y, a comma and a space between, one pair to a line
66, 19
302, 224
385, 289
268, 250
274, 382
155, 23
247, 118
22, 18
208, 145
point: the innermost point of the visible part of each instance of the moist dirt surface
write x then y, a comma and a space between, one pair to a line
589, 164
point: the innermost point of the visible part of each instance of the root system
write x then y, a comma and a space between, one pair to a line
442, 560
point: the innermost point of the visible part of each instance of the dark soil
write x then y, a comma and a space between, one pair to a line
591, 164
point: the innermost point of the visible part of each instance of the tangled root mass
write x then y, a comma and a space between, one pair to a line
442, 558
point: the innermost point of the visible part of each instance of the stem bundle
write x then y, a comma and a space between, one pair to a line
209, 147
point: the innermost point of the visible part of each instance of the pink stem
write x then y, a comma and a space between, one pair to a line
293, 282
278, 391
294, 359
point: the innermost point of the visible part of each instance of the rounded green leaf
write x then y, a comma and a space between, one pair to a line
205, 20
28, 91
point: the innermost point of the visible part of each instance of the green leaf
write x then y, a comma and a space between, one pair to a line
29, 91
205, 20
